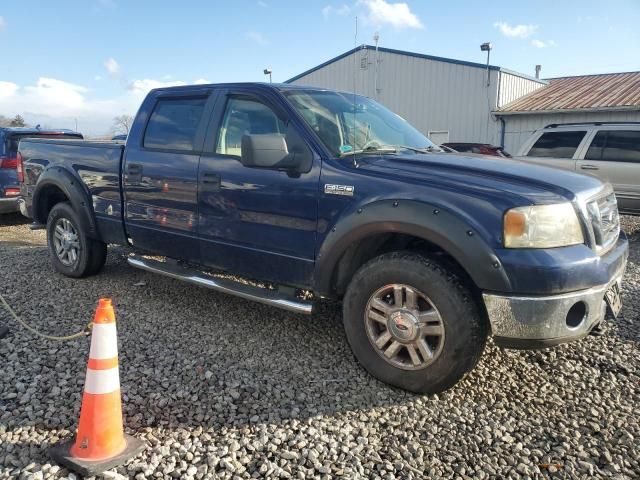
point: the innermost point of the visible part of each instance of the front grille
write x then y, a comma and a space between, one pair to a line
605, 221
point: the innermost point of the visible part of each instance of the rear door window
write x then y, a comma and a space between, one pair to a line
615, 146
174, 123
557, 144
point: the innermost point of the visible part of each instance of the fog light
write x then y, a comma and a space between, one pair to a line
576, 314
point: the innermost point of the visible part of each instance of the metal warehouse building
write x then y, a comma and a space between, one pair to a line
446, 99
613, 97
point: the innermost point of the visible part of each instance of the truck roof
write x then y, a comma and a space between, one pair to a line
262, 85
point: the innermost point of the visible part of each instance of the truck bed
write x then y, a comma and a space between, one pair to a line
97, 165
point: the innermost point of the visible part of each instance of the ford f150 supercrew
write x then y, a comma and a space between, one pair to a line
316, 194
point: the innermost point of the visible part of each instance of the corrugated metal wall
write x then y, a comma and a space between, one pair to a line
432, 95
520, 127
514, 86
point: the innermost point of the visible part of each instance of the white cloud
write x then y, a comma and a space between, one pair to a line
8, 89
112, 67
3, 23
57, 104
515, 31
398, 15
201, 81
143, 86
97, 78
262, 4
342, 10
257, 37
107, 3
542, 44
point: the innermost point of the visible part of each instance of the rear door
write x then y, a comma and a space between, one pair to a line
556, 148
255, 221
614, 157
161, 173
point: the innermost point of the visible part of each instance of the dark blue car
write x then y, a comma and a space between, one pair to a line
9, 167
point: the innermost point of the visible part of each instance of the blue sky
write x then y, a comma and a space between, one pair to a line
93, 59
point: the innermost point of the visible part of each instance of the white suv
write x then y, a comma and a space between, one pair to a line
609, 151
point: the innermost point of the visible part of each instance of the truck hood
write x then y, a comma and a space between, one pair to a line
532, 183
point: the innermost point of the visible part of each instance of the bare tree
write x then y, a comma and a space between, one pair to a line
17, 121
122, 124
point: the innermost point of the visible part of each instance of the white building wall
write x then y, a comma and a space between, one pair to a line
432, 95
520, 127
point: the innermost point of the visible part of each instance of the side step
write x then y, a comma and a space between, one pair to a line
249, 292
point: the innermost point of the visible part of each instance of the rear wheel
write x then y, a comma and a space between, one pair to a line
413, 324
73, 254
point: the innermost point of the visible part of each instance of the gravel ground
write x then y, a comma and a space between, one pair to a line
221, 387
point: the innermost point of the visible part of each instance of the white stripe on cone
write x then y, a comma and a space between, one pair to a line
102, 381
104, 341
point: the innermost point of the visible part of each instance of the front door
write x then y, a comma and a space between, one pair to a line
556, 149
256, 221
161, 175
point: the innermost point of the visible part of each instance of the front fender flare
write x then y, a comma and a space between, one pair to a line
73, 189
430, 222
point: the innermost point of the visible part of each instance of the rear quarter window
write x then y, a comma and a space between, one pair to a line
557, 144
174, 123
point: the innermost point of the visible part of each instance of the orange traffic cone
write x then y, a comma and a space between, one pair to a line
100, 443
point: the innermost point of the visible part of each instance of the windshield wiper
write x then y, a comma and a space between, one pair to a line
394, 149
384, 149
428, 149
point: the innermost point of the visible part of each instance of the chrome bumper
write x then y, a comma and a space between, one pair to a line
540, 321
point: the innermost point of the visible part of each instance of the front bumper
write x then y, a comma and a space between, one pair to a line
538, 321
8, 205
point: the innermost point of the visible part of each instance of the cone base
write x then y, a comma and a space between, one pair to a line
61, 453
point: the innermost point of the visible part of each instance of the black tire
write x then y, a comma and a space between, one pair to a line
465, 328
91, 254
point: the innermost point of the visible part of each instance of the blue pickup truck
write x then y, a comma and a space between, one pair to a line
318, 194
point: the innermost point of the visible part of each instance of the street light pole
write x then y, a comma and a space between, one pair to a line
486, 47
268, 71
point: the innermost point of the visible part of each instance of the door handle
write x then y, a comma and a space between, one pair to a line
134, 169
211, 180
589, 167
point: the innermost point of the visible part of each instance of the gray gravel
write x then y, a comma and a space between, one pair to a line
221, 387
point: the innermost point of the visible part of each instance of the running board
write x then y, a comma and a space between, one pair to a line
249, 292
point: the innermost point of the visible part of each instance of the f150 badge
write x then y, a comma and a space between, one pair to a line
331, 189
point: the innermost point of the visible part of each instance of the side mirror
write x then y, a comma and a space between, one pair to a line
271, 150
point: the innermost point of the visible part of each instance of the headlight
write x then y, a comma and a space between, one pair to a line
542, 226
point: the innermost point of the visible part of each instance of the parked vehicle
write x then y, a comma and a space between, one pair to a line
325, 193
479, 148
9, 176
122, 136
609, 151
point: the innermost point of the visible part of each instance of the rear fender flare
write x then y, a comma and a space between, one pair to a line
72, 187
435, 224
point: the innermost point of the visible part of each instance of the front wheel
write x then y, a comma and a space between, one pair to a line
413, 324
73, 253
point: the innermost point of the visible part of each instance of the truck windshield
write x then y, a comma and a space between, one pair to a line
349, 124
